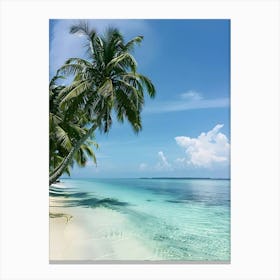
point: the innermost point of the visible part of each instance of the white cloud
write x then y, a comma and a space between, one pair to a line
191, 95
190, 100
206, 150
185, 105
163, 163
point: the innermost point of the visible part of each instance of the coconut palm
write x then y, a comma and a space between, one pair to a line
63, 134
108, 81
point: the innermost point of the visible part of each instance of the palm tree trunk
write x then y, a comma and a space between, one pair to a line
61, 168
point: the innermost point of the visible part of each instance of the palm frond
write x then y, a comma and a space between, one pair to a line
126, 60
54, 121
106, 88
148, 84
131, 44
79, 61
63, 138
125, 107
89, 152
80, 158
80, 29
53, 81
70, 69
75, 92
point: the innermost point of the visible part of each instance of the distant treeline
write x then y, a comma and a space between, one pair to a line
184, 178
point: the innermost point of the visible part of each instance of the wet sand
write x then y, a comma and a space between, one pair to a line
84, 234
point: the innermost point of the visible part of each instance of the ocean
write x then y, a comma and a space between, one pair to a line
178, 219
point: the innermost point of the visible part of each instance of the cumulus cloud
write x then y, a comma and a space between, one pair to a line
206, 150
163, 163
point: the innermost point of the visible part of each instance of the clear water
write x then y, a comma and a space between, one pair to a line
179, 219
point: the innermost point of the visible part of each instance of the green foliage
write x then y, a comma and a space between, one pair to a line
105, 83
64, 132
108, 81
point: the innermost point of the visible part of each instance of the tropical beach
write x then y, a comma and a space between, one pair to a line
87, 234
139, 166
140, 219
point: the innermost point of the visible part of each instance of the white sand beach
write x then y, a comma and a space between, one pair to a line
78, 233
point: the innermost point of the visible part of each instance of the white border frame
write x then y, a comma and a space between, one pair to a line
254, 137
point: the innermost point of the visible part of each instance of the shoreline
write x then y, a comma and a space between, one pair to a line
111, 222
83, 234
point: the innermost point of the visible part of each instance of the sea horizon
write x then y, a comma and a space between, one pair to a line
152, 177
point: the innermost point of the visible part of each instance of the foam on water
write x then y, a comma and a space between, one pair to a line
183, 220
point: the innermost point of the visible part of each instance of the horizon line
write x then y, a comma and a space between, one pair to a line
193, 178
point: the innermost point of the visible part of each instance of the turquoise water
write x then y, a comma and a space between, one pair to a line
179, 219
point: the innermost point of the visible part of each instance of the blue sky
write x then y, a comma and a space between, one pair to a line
186, 128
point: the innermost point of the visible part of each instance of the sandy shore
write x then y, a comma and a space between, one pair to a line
78, 233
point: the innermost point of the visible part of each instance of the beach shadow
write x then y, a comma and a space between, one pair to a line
84, 199
67, 194
94, 202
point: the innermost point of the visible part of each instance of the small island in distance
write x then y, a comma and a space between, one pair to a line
184, 178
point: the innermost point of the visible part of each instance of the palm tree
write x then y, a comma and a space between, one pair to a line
107, 82
63, 134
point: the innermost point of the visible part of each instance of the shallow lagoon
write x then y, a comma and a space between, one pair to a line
177, 219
